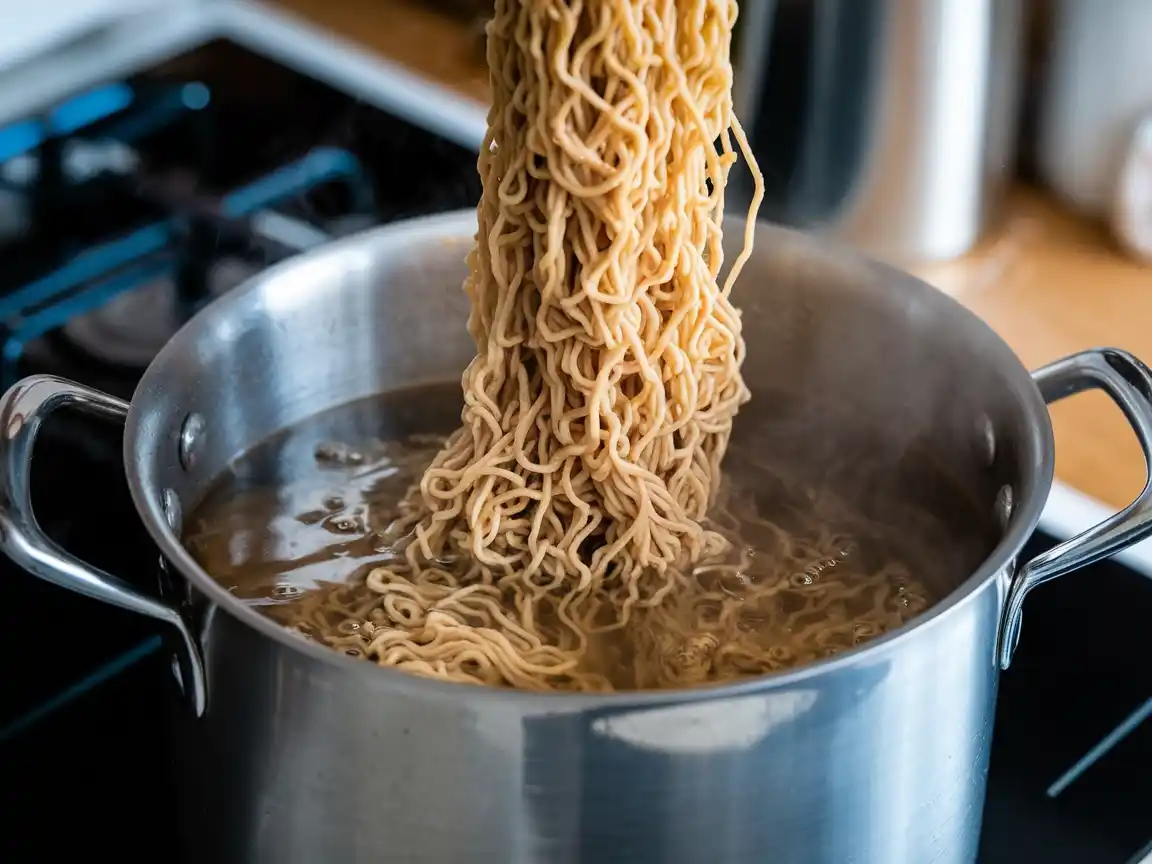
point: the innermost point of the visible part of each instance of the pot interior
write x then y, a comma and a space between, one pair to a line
865, 383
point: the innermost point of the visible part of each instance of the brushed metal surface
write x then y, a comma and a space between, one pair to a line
889, 124
877, 756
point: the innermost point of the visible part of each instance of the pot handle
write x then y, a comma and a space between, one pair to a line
22, 410
1129, 383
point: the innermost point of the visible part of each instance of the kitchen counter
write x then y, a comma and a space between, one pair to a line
1051, 284
1048, 282
404, 31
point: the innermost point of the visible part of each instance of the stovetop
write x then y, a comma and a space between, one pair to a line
123, 210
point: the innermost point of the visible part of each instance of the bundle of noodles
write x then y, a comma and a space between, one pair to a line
607, 375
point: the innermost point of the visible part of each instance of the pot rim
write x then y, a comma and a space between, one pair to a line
1022, 523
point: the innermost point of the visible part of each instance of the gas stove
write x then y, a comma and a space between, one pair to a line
124, 207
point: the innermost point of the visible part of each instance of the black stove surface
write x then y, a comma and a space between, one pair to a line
211, 167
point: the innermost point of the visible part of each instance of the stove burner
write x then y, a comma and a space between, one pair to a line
132, 327
179, 253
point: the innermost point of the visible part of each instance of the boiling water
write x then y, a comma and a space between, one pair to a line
807, 575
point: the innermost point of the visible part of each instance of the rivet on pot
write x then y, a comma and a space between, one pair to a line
1002, 509
987, 440
172, 511
191, 440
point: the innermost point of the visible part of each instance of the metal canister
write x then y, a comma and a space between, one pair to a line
890, 124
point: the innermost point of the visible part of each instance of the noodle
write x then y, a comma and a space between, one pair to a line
571, 503
805, 574
601, 399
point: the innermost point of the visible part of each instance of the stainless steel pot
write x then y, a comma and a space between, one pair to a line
299, 754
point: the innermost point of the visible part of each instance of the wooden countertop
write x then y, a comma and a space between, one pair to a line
1048, 282
1052, 284
437, 45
